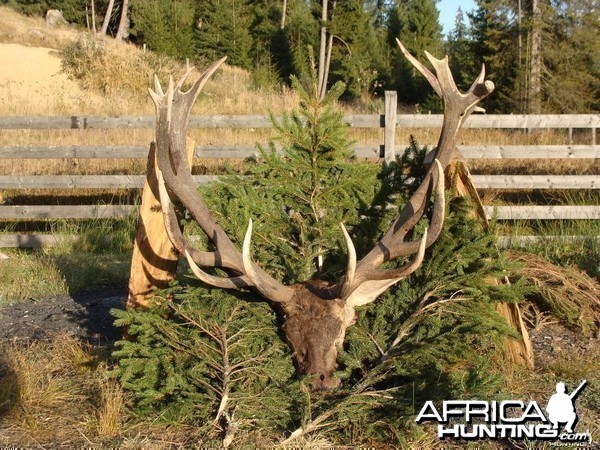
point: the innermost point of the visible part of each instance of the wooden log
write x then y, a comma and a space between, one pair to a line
536, 181
154, 260
73, 151
246, 151
83, 181
516, 121
530, 151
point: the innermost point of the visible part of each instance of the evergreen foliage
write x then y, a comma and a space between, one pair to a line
299, 196
223, 30
416, 24
165, 27
431, 337
209, 359
365, 56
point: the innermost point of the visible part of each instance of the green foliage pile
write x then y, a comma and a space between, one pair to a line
209, 359
217, 360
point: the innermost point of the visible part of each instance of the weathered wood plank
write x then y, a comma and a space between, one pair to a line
82, 181
51, 240
530, 151
522, 241
73, 151
137, 181
34, 240
537, 212
536, 181
38, 212
35, 212
533, 121
389, 136
246, 151
233, 121
517, 121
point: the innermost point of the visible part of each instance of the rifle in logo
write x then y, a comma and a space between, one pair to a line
560, 407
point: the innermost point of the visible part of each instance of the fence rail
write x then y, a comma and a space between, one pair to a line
389, 122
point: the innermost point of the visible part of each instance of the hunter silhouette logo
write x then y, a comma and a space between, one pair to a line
560, 407
508, 419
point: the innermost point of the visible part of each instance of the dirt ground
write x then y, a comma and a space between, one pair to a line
31, 78
85, 316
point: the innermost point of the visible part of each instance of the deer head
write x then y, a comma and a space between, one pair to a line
316, 313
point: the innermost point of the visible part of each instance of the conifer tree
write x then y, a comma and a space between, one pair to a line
299, 195
223, 30
216, 360
416, 24
165, 27
459, 48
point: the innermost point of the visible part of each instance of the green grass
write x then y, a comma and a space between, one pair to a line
101, 257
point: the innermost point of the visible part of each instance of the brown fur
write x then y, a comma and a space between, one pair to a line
315, 327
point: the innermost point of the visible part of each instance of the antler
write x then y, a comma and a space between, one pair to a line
173, 111
364, 281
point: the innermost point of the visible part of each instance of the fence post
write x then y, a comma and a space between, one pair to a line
389, 137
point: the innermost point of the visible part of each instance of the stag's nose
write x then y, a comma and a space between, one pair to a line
323, 381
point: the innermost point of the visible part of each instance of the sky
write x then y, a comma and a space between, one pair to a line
448, 10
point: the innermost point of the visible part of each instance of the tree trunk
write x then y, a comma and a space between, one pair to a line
93, 6
535, 70
283, 14
124, 21
326, 60
323, 47
107, 17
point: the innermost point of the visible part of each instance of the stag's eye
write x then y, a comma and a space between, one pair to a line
322, 377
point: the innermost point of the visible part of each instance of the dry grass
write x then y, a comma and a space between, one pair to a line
567, 292
47, 391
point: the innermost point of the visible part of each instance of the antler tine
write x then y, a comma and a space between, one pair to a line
368, 280
351, 269
457, 106
173, 110
193, 255
195, 90
421, 68
257, 278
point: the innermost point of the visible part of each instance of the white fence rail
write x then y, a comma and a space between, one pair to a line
386, 150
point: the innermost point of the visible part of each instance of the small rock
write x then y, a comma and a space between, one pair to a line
54, 18
37, 33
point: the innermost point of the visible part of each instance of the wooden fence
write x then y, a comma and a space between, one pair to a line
386, 150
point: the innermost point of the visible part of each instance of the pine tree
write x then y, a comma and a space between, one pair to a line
357, 56
496, 36
571, 59
299, 195
416, 24
460, 51
166, 27
223, 30
433, 336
